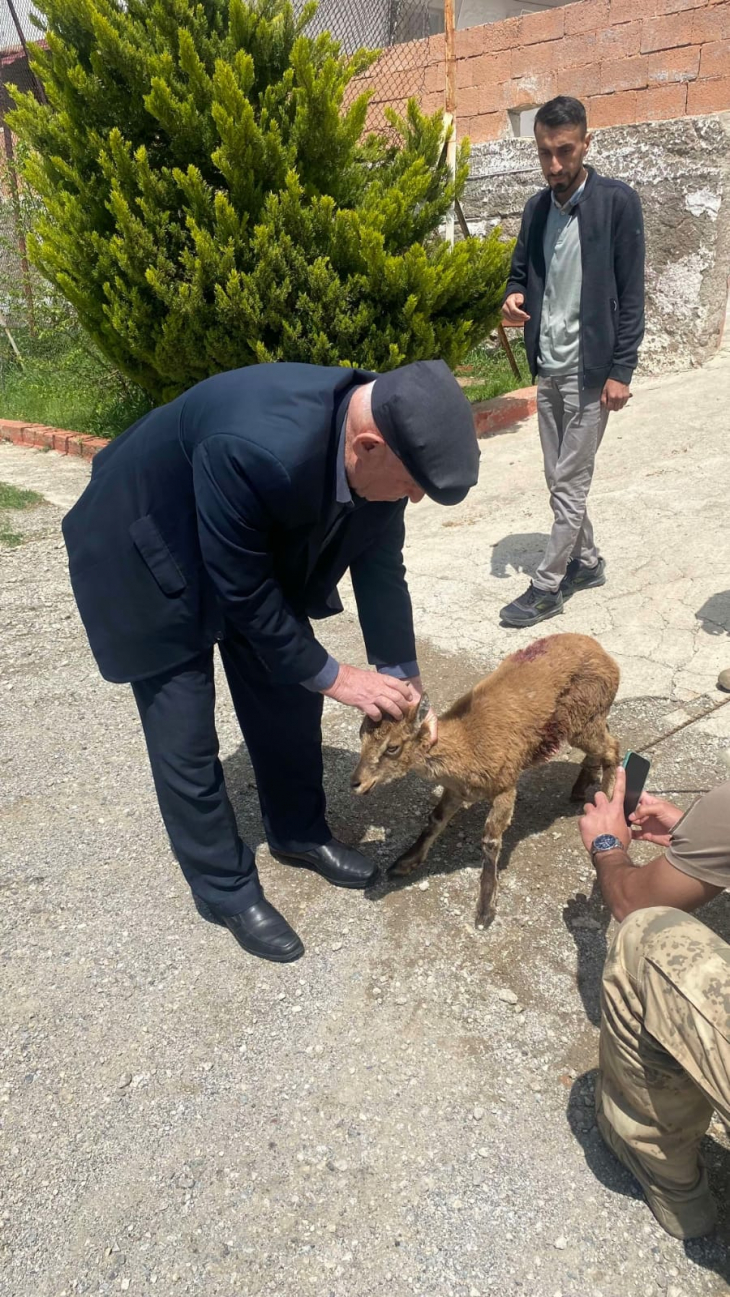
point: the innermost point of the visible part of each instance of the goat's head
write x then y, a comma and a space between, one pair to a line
390, 748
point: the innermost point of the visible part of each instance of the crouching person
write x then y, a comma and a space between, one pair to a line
665, 1023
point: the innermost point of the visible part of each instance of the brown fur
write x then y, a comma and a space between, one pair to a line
557, 690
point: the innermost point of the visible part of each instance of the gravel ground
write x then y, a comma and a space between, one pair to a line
407, 1109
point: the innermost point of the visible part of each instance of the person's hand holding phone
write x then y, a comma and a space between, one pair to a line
604, 816
654, 819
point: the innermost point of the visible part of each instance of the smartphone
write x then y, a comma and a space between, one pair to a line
637, 769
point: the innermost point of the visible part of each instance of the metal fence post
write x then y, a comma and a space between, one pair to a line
450, 101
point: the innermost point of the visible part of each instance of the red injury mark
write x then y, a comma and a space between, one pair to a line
550, 740
532, 651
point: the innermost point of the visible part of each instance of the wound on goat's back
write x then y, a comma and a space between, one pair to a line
532, 651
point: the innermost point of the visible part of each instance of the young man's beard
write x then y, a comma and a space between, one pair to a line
561, 185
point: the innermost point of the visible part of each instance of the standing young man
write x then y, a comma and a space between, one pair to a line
577, 287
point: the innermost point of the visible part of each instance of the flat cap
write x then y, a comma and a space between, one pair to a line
423, 415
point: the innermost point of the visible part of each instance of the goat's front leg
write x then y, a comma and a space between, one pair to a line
441, 815
499, 819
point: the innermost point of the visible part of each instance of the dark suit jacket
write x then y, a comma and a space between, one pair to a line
218, 512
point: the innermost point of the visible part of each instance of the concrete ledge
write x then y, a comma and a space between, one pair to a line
491, 417
40, 435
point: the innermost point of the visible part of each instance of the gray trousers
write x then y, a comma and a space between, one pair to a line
571, 422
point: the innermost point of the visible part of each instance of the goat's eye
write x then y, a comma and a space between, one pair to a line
393, 749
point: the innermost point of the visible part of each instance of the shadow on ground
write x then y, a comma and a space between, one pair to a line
521, 551
587, 919
399, 812
543, 797
715, 614
712, 1253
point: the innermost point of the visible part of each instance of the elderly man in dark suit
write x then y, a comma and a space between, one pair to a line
228, 517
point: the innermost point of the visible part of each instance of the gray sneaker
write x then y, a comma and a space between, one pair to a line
579, 576
531, 607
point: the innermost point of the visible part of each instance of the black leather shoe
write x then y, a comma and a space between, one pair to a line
260, 929
341, 865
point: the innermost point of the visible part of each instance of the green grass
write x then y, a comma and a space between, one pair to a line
490, 364
9, 539
66, 384
12, 497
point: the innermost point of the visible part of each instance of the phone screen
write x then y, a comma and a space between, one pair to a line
637, 769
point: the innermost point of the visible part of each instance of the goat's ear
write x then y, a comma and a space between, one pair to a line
424, 708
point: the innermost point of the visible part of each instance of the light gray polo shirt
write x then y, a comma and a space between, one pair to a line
559, 348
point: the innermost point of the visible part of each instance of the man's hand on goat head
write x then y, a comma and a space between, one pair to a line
426, 714
372, 693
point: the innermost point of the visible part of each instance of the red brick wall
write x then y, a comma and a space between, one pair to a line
628, 60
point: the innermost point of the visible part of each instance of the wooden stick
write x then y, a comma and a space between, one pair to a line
450, 98
11, 340
19, 231
692, 721
501, 334
505, 342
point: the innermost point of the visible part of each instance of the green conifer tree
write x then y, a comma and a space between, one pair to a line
208, 202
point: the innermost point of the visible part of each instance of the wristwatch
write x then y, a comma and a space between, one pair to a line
605, 842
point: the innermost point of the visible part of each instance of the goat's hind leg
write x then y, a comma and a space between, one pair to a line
600, 761
441, 815
498, 820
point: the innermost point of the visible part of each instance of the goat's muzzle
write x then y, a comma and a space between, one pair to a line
360, 784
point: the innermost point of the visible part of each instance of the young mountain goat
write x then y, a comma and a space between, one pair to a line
558, 690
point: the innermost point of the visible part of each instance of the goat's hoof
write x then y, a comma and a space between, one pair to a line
403, 867
483, 921
581, 790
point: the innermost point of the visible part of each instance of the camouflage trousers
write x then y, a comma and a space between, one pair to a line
665, 1047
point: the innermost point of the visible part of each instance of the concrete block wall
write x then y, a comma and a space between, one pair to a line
629, 60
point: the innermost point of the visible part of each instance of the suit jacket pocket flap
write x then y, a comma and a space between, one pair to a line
157, 556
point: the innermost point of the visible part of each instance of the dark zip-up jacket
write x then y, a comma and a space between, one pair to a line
612, 296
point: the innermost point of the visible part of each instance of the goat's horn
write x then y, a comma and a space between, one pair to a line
424, 708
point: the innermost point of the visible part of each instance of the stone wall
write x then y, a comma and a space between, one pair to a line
629, 60
681, 170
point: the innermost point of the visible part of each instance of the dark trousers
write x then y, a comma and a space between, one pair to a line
281, 725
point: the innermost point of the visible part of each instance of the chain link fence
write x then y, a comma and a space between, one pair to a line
402, 29
405, 32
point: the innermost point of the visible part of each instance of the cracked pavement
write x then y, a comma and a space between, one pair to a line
382, 1115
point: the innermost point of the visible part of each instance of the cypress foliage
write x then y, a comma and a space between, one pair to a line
208, 202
